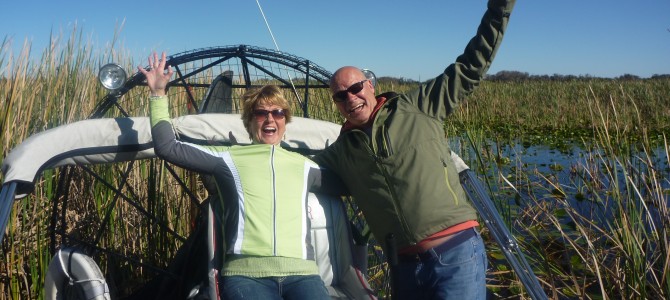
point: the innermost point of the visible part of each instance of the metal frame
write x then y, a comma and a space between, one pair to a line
315, 76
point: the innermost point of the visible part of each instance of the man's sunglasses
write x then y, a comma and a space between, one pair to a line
355, 88
262, 114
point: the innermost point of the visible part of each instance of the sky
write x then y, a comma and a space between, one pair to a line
408, 39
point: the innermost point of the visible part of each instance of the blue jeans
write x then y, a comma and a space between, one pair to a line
289, 287
457, 273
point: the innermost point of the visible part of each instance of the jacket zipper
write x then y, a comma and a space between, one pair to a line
274, 202
394, 198
446, 180
385, 142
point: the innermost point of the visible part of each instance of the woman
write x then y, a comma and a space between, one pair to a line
264, 192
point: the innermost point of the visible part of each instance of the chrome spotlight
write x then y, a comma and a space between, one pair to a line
112, 76
370, 75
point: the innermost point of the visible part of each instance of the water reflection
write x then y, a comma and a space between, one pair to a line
598, 187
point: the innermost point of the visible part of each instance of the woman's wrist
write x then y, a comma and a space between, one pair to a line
155, 94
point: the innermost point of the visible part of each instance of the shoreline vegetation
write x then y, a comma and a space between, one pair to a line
620, 249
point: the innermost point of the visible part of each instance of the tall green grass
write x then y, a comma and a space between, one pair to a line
55, 88
621, 123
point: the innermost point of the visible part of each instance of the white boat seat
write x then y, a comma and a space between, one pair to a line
333, 248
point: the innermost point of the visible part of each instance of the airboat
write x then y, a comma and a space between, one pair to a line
127, 225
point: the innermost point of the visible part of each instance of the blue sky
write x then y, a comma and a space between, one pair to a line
410, 39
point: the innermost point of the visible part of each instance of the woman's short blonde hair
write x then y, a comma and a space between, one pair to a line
265, 95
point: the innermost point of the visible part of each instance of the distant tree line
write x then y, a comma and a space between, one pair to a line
524, 76
396, 80
517, 76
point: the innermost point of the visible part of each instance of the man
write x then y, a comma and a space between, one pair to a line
395, 160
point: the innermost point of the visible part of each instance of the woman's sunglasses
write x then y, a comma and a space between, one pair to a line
355, 88
262, 114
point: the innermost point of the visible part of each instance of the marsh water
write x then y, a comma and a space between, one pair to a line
519, 175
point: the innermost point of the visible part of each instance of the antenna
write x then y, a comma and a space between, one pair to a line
290, 80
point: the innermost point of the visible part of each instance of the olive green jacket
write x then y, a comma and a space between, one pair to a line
402, 176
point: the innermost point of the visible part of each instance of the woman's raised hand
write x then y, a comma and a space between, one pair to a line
157, 77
